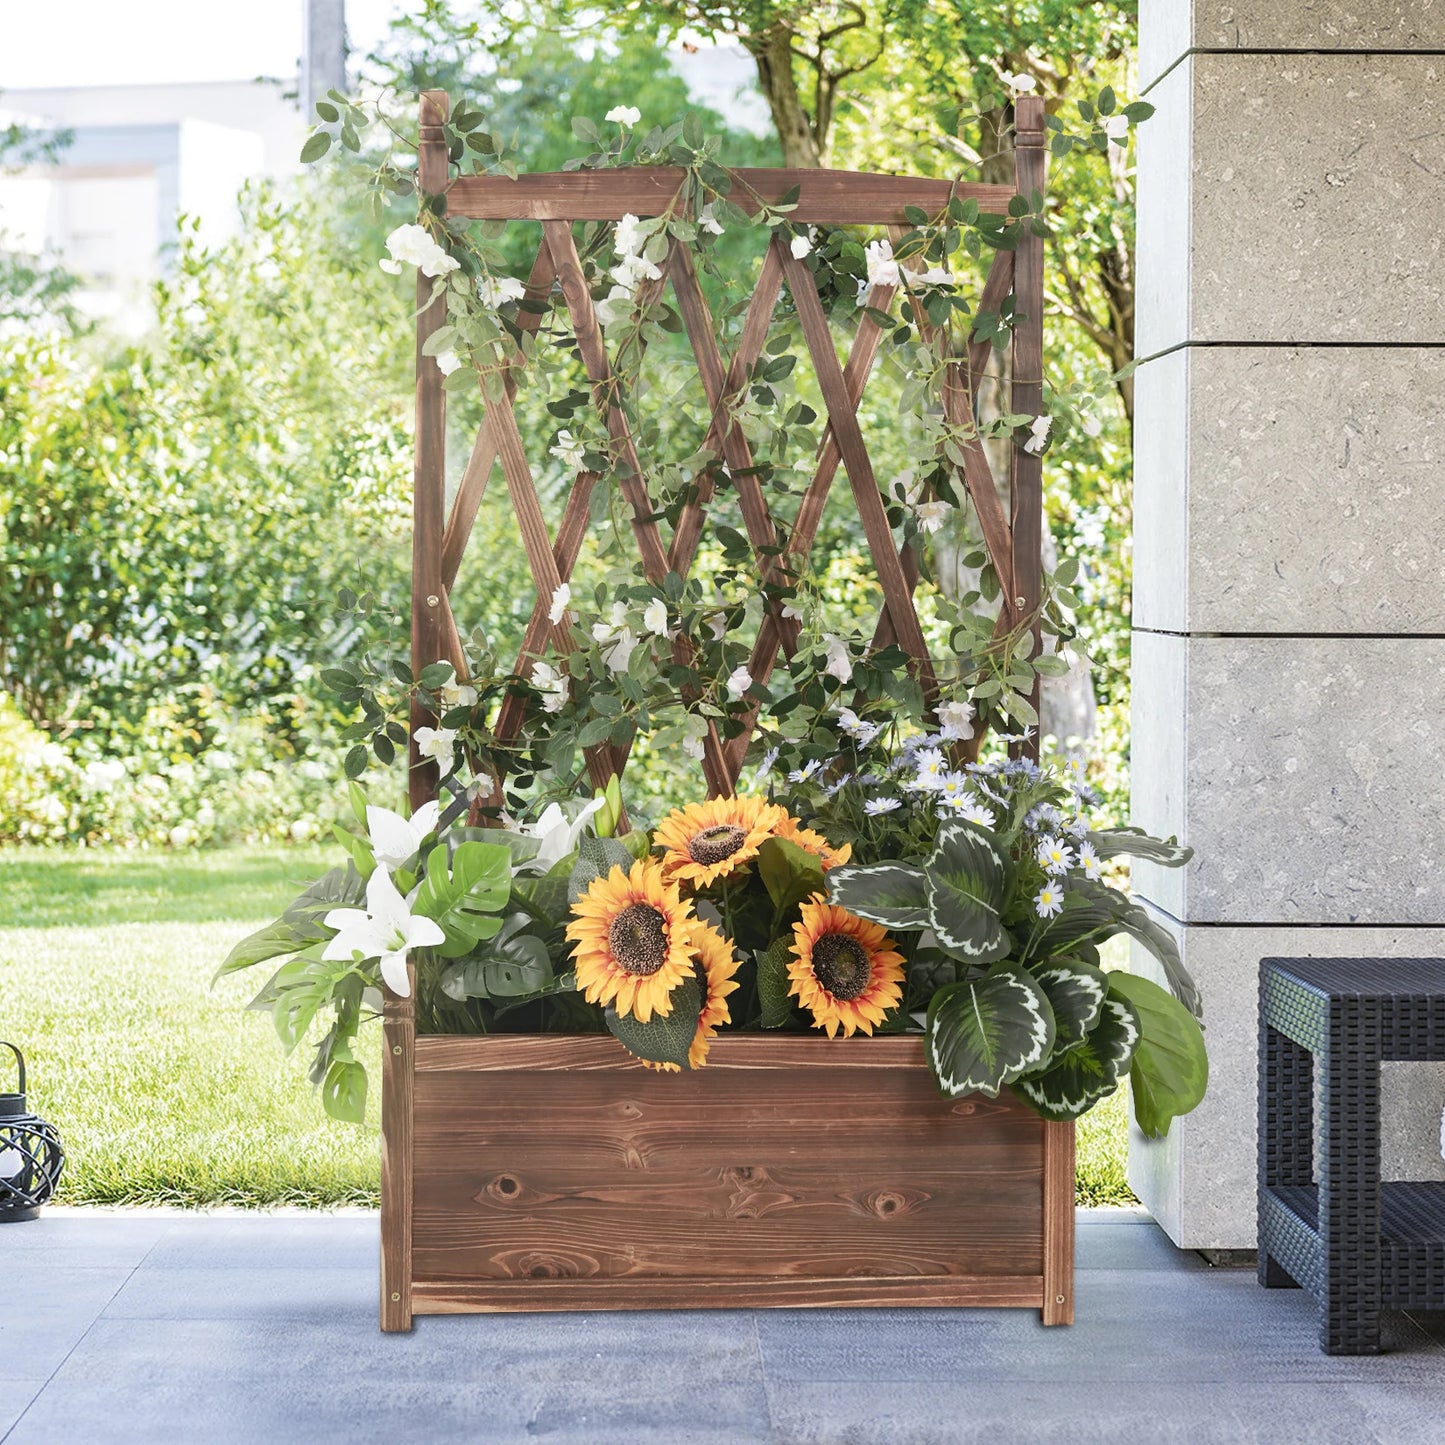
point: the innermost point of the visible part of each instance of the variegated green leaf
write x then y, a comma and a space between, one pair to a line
1076, 993
967, 882
893, 894
985, 1033
1075, 1081
1136, 843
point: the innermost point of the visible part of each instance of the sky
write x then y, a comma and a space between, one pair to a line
150, 42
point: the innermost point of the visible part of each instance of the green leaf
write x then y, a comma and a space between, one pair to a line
893, 894
596, 858
301, 924
1136, 843
514, 964
967, 882
317, 144
465, 901
585, 128
293, 1011
984, 1034
327, 111
774, 985
1170, 1071
662, 1040
435, 674
343, 1092
1076, 1081
1075, 991
791, 874
355, 764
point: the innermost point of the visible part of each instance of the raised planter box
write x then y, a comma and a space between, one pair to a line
556, 1173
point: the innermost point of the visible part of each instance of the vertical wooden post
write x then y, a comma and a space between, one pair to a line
1058, 1307
1026, 470
428, 595
398, 1064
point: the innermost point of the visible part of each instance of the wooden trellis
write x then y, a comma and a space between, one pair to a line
824, 198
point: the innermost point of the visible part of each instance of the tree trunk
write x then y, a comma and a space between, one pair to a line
773, 54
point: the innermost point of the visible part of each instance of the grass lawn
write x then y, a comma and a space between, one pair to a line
164, 1089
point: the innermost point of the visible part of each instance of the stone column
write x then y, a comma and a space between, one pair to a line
1289, 602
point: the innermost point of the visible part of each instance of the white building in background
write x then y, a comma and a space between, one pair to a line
140, 157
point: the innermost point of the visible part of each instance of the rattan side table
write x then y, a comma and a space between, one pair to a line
1358, 1246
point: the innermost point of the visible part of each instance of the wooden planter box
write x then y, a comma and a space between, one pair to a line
550, 1172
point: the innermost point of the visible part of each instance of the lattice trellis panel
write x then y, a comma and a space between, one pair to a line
825, 198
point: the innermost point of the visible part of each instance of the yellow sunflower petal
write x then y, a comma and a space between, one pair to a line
845, 970
707, 841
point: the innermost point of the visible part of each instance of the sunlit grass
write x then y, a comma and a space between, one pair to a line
164, 1089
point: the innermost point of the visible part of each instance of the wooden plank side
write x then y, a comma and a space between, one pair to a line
398, 1031
841, 198
1058, 1304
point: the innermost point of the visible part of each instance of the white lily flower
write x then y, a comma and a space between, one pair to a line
631, 236
740, 681
560, 600
439, 744
558, 837
395, 839
386, 930
456, 694
615, 306
792, 611
618, 653
800, 246
695, 748
623, 115
1089, 424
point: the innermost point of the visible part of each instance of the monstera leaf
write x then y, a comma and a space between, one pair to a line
1075, 1081
1170, 1069
967, 881
465, 901
1075, 991
1136, 843
985, 1033
662, 1040
511, 965
1093, 911
893, 894
301, 924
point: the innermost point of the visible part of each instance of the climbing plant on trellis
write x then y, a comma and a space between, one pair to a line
558, 286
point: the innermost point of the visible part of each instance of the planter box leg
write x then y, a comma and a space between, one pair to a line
1058, 1305
397, 1076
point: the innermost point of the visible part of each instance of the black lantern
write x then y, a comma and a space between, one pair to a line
30, 1154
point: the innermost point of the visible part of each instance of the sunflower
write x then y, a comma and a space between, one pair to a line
811, 842
633, 941
715, 964
845, 970
706, 841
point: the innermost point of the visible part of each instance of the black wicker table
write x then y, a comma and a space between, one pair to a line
1357, 1245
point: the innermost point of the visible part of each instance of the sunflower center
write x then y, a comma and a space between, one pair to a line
841, 965
714, 844
638, 939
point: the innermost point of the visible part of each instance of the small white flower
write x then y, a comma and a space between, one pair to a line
570, 452
390, 266
560, 600
1050, 900
632, 235
740, 681
439, 744
800, 246
857, 728
766, 765
619, 651
955, 720
932, 515
840, 664
801, 775
882, 268
552, 684
931, 770
875, 806
615, 306
1116, 127
1089, 860
709, 222
1021, 81
977, 813
448, 362
695, 748
624, 114
394, 839
654, 617
1078, 827
386, 930
456, 694
790, 611
1055, 857
934, 276
632, 269
496, 291
1038, 434
1089, 424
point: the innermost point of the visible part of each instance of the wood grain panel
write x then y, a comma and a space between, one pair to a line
839, 198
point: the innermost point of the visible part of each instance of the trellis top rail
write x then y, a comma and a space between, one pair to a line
834, 198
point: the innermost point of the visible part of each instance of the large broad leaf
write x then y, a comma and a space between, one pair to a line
466, 899
301, 923
662, 1040
774, 985
1093, 912
1075, 1081
596, 858
791, 874
893, 894
984, 1034
512, 965
1170, 1071
343, 1091
543, 895
1136, 843
967, 881
1075, 992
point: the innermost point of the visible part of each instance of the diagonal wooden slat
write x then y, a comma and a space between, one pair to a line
473, 484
